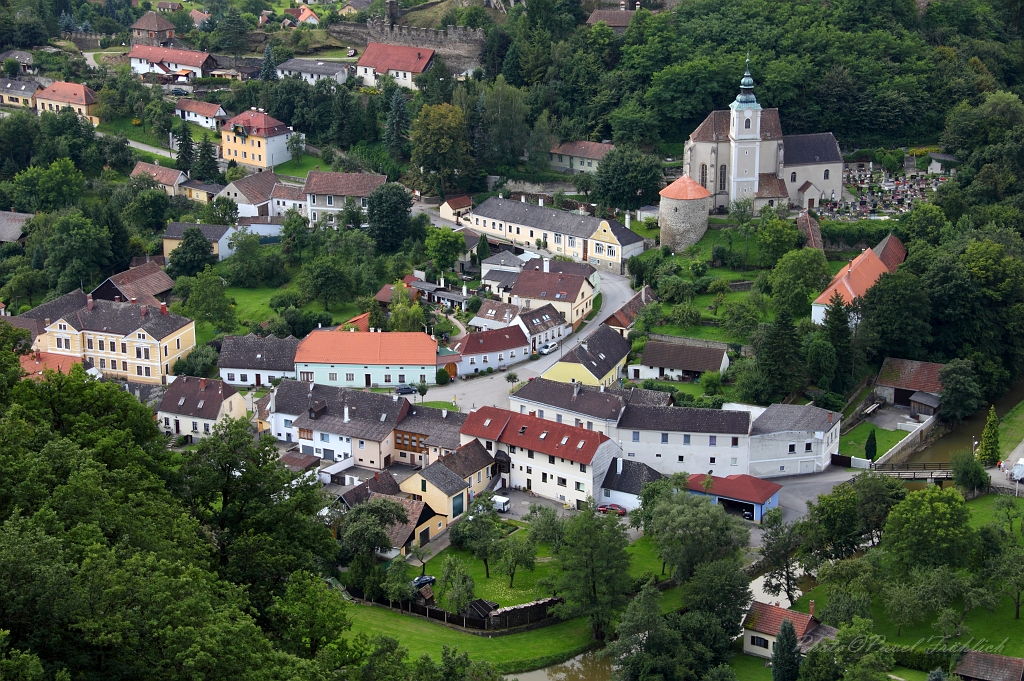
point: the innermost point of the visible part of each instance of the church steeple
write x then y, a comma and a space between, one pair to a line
746, 95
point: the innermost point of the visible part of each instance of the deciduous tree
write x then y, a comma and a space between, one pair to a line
627, 178
440, 147
192, 256
779, 544
388, 209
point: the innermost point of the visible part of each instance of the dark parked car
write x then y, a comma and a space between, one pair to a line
423, 580
611, 508
748, 515
405, 390
178, 92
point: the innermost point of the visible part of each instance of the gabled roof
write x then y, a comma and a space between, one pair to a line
416, 513
151, 21
624, 317
204, 187
361, 322
600, 352
771, 186
268, 353
990, 667
108, 316
342, 184
12, 225
208, 109
715, 127
811, 230
299, 463
318, 66
549, 286
23, 57
606, 405
854, 280
496, 313
169, 55
908, 374
169, 177
256, 188
442, 477
891, 252
176, 230
782, 418
685, 420
21, 88
401, 348
504, 259
817, 147
560, 221
288, 192
144, 283
495, 340
383, 58
459, 202
382, 482
530, 432
584, 269
257, 123
68, 93
612, 17
467, 459
441, 426
767, 619
371, 416
199, 18
35, 319
685, 189
632, 478
541, 319
584, 149
682, 357
196, 397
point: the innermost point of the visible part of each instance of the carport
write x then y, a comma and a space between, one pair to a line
738, 493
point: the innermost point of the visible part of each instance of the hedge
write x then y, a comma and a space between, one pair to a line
927, 660
849, 234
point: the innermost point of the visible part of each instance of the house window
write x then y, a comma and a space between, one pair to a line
551, 459
206, 428
558, 239
703, 174
782, 469
713, 460
543, 477
401, 378
124, 348
324, 437
387, 378
423, 485
330, 200
362, 444
332, 377
599, 249
826, 174
735, 442
540, 413
529, 453
682, 459
306, 376
231, 376
713, 441
350, 377
611, 251
558, 418
195, 426
792, 447
529, 470
287, 423
101, 345
103, 363
664, 438
147, 371
792, 177
759, 642
305, 434
583, 468
244, 378
721, 178
686, 439
732, 462
572, 242
636, 436
60, 343
579, 487
561, 482
808, 447
124, 366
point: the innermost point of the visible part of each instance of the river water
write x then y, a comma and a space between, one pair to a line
961, 437
585, 667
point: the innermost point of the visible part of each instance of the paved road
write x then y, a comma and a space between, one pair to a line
494, 389
90, 59
145, 147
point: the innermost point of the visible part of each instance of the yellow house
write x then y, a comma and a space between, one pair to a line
68, 96
443, 490
423, 525
19, 92
572, 295
126, 341
597, 360
254, 139
217, 235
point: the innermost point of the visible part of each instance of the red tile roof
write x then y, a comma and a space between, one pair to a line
198, 17
684, 189
151, 21
69, 93
165, 176
854, 280
891, 251
208, 109
767, 619
37, 362
342, 184
529, 432
811, 230
168, 55
548, 286
715, 127
288, 192
459, 202
771, 186
495, 340
908, 374
383, 58
257, 123
741, 487
361, 322
582, 149
400, 348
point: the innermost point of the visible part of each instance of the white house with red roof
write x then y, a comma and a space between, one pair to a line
207, 114
492, 349
398, 61
327, 192
182, 65
554, 460
169, 179
857, 278
763, 621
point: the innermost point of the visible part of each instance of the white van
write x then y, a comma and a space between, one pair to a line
1018, 470
502, 504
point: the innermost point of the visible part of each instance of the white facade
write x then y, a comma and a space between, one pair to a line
792, 452
308, 74
475, 363
560, 479
676, 452
332, 447
364, 376
321, 207
640, 371
199, 119
233, 407
144, 66
624, 499
248, 377
282, 206
370, 78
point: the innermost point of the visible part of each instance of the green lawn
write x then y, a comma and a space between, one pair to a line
439, 404
597, 306
748, 667
300, 168
510, 654
136, 133
1011, 429
852, 444
994, 626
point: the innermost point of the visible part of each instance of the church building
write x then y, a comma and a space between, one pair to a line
741, 153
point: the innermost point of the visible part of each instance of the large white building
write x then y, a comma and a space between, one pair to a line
400, 62
182, 65
326, 192
742, 153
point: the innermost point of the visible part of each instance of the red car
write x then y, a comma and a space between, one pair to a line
612, 508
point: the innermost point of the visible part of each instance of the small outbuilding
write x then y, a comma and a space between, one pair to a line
975, 666
455, 207
763, 621
625, 480
910, 383
739, 493
677, 362
683, 213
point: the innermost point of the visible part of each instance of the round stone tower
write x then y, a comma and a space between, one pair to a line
683, 213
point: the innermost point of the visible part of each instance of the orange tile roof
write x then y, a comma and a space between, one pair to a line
684, 189
402, 348
257, 123
165, 176
767, 619
383, 58
202, 108
854, 280
531, 432
37, 362
891, 251
170, 55
361, 322
69, 93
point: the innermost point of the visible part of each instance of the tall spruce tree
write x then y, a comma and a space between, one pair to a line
786, 655
988, 450
345, 118
871, 446
186, 148
205, 166
397, 128
268, 69
837, 331
777, 358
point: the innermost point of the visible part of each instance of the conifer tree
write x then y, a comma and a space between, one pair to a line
186, 148
871, 446
786, 655
837, 331
988, 450
397, 125
268, 69
205, 166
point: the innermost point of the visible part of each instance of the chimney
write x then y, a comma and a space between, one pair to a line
394, 397
628, 215
812, 609
643, 294
584, 346
346, 414
376, 476
622, 5
444, 413
163, 308
117, 299
575, 389
465, 290
830, 417
523, 198
500, 195
602, 387
88, 301
547, 264
637, 5
540, 202
441, 281
202, 384
618, 465
46, 322
134, 301
38, 355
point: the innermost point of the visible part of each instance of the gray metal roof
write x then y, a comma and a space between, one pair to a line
572, 224
324, 68
442, 477
442, 430
605, 404
634, 475
781, 418
257, 352
685, 420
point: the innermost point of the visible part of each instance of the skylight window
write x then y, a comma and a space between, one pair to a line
601, 355
543, 435
487, 423
201, 403
547, 317
580, 445
565, 439
522, 430
181, 401
543, 294
383, 417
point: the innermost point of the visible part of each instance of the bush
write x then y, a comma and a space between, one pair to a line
199, 362
473, 304
698, 268
490, 370
719, 253
926, 660
719, 286
832, 401
851, 234
442, 377
641, 581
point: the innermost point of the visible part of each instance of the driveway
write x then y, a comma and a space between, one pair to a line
494, 389
797, 490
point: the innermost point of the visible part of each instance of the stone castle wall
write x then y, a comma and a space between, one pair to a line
460, 46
